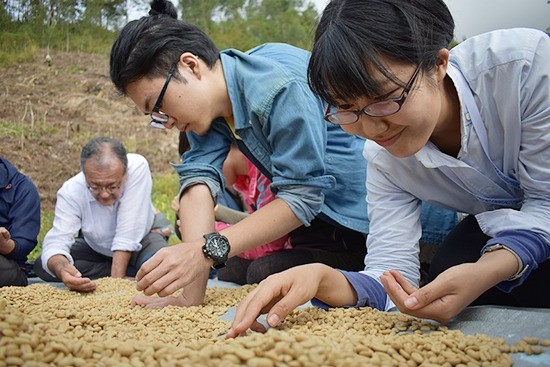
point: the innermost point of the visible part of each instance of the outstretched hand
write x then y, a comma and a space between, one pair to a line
277, 296
172, 268
442, 299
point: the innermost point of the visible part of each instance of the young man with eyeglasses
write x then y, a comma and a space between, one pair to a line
108, 206
260, 101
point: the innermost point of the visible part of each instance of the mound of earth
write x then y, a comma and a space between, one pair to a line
48, 112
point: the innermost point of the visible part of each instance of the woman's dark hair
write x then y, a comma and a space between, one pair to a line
101, 149
355, 37
148, 47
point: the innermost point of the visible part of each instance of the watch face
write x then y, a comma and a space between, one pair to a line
216, 248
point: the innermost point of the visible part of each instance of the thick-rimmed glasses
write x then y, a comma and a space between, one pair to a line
111, 189
159, 118
383, 108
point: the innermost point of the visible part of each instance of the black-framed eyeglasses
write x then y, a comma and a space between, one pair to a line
383, 108
159, 118
111, 189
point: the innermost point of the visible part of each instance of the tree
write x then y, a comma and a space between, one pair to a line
244, 24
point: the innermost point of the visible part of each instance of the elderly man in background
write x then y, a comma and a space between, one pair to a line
108, 207
19, 223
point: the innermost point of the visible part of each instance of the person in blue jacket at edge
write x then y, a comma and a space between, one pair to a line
467, 129
259, 100
19, 223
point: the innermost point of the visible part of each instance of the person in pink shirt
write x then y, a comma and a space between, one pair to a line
251, 190
251, 266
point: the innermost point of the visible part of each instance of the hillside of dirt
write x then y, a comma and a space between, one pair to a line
48, 112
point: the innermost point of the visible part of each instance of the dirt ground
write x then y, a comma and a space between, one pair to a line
47, 113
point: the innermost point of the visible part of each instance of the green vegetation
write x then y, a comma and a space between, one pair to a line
91, 26
245, 24
165, 188
46, 222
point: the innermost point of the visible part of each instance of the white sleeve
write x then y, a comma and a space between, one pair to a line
135, 214
533, 169
395, 227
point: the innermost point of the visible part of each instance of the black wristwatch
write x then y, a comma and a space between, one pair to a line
216, 248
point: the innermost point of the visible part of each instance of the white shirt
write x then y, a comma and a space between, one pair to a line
117, 227
508, 73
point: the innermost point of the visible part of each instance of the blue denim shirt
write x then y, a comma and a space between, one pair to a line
316, 167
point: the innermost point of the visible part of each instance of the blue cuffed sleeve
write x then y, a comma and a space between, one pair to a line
370, 292
530, 247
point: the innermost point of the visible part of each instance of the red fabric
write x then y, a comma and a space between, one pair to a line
256, 193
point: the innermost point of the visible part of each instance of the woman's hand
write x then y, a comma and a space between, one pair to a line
281, 293
442, 299
277, 296
453, 290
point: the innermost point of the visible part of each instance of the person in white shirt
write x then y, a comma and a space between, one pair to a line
467, 129
105, 223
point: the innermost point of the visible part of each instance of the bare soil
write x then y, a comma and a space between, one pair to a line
48, 112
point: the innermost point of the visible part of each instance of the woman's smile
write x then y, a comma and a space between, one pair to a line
386, 142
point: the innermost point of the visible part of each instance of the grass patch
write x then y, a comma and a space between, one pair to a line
17, 47
10, 129
25, 130
165, 188
20, 41
46, 222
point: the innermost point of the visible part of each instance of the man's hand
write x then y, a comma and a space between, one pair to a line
156, 302
161, 302
69, 274
192, 295
6, 243
173, 268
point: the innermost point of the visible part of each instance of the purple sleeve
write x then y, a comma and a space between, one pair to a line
370, 292
529, 246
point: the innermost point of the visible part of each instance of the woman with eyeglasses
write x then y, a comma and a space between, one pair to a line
466, 129
261, 101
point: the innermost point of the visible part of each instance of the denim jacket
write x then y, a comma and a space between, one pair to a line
316, 167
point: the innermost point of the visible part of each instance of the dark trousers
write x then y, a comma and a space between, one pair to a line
463, 245
321, 242
10, 273
94, 265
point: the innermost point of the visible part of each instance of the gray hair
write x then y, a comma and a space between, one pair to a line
101, 149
